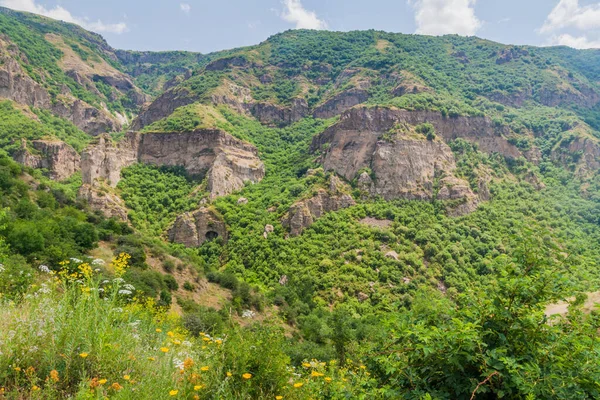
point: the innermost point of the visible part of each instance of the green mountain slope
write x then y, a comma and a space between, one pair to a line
321, 215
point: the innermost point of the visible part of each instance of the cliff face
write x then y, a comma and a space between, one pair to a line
193, 229
227, 161
405, 164
305, 212
60, 159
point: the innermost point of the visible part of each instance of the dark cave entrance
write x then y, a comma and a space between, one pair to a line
211, 235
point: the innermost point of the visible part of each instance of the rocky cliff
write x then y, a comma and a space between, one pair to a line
305, 212
193, 229
60, 159
402, 162
226, 161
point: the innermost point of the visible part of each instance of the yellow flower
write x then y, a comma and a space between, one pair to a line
177, 342
206, 339
298, 384
151, 358
83, 355
173, 392
247, 376
164, 349
126, 377
218, 341
328, 379
158, 330
363, 367
315, 374
54, 375
35, 388
306, 365
120, 264
229, 373
204, 369
18, 369
102, 381
170, 334
278, 397
198, 387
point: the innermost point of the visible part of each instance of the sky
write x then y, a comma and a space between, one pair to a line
208, 25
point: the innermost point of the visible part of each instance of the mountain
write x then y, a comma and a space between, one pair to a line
322, 215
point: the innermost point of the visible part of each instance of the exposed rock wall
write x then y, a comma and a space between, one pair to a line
60, 159
193, 229
405, 165
228, 161
102, 199
340, 103
305, 212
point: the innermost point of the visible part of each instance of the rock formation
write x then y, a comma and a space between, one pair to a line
193, 229
405, 164
60, 159
89, 119
101, 198
228, 162
303, 213
341, 102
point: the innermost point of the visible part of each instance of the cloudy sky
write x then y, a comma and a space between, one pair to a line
209, 25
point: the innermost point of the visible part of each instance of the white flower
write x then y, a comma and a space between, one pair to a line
178, 363
76, 260
2, 269
118, 309
129, 287
118, 280
124, 291
248, 314
98, 261
44, 269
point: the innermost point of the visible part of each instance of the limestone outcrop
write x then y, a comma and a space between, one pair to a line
305, 212
194, 228
226, 161
89, 119
60, 159
403, 163
101, 198
341, 102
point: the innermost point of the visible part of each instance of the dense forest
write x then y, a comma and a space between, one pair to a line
444, 289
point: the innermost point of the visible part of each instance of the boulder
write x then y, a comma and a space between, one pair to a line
193, 229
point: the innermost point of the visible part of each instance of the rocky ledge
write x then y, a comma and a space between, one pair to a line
402, 163
226, 161
193, 229
305, 212
60, 159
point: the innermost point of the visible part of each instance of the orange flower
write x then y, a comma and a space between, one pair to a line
115, 386
54, 375
83, 355
188, 363
247, 376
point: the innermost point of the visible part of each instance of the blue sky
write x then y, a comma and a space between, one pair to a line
205, 26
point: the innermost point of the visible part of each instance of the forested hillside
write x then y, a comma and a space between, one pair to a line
322, 215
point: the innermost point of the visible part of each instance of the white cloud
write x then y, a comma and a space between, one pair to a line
185, 7
440, 17
296, 13
569, 14
63, 14
577, 42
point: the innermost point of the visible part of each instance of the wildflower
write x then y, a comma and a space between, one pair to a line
120, 264
204, 369
158, 330
188, 363
363, 367
83, 355
206, 339
196, 397
173, 392
198, 387
328, 379
247, 376
151, 358
44, 269
170, 334
278, 397
298, 384
229, 373
115, 386
219, 341
126, 377
315, 374
125, 292
18, 369
35, 388
54, 375
102, 381
306, 365
177, 342
164, 349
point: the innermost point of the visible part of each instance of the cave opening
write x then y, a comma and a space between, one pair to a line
211, 235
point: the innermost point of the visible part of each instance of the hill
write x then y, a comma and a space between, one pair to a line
321, 215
